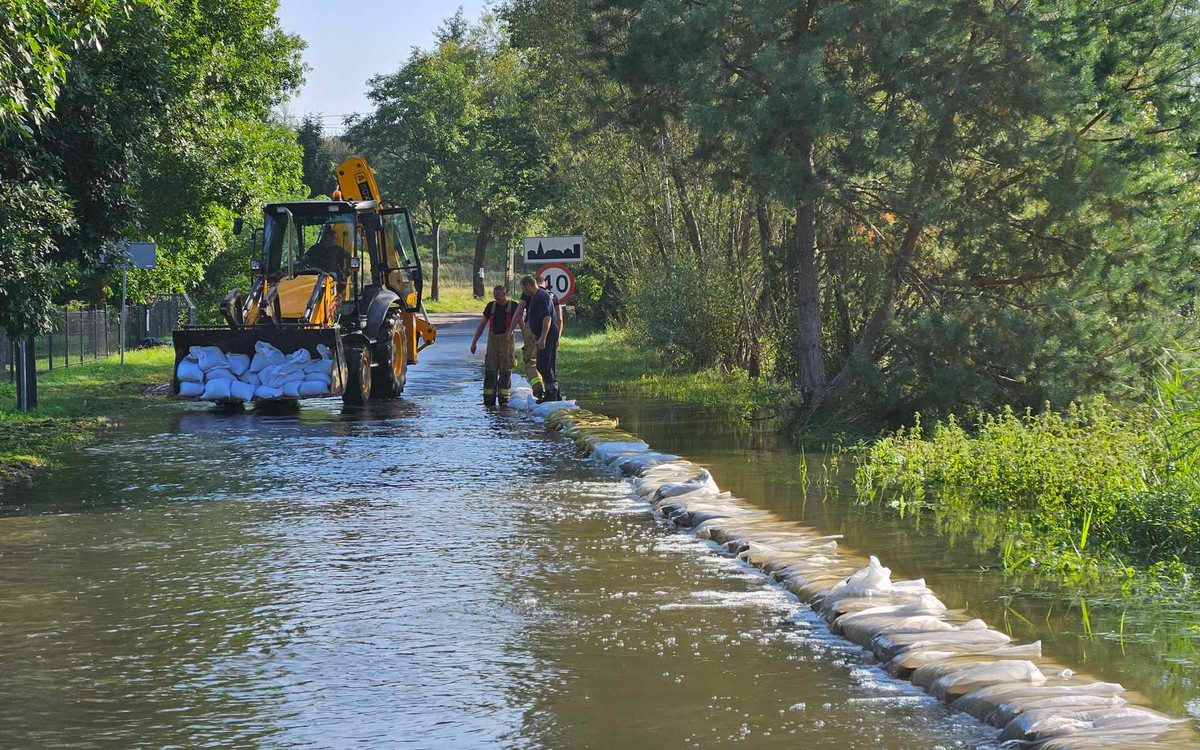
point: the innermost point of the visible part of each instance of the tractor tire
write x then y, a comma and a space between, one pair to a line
358, 376
391, 357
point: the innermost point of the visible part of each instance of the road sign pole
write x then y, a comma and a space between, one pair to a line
124, 275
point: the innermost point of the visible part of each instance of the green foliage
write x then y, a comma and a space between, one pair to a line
161, 130
1076, 488
33, 215
616, 360
1002, 197
37, 40
678, 315
321, 156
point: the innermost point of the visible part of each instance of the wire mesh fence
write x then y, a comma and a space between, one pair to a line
81, 336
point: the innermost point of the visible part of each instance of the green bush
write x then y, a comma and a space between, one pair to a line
683, 314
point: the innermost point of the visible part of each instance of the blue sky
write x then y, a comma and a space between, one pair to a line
348, 42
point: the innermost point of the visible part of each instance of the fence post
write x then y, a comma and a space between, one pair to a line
66, 337
31, 374
106, 351
82, 337
20, 363
50, 354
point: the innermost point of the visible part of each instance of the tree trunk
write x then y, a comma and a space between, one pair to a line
766, 244
810, 356
689, 216
882, 316
481, 243
436, 225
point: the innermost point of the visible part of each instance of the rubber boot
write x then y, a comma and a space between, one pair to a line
552, 394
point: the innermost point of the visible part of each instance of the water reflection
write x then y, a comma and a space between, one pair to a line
1148, 646
423, 573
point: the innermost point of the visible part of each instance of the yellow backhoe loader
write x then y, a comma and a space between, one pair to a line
344, 273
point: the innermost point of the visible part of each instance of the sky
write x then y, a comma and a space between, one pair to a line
348, 42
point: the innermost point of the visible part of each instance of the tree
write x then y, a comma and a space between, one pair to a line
318, 171
164, 132
947, 168
419, 138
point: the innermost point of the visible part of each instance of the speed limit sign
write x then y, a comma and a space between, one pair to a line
562, 281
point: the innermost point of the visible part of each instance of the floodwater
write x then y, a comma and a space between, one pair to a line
427, 573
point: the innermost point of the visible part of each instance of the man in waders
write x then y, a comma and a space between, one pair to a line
543, 322
498, 317
529, 345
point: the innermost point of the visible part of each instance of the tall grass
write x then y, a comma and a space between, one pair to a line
1086, 488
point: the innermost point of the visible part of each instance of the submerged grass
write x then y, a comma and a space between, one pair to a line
73, 405
1088, 491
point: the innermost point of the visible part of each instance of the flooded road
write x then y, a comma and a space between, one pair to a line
426, 573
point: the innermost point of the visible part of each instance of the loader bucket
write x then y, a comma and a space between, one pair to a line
242, 341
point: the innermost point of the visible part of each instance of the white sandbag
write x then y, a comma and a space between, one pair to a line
189, 371
322, 366
636, 463
279, 375
264, 355
291, 389
217, 390
873, 580
208, 357
607, 452
220, 372
994, 699
299, 357
1018, 704
239, 363
252, 378
1053, 722
241, 391
543, 410
949, 687
912, 659
311, 388
188, 389
319, 377
267, 393
975, 632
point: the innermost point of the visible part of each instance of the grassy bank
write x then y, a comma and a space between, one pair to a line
1093, 492
73, 405
614, 361
454, 299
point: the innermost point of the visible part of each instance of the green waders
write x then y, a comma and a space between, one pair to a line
497, 369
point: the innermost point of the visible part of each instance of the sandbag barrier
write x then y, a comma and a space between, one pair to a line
209, 374
1034, 702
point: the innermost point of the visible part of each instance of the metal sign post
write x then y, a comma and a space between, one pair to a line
121, 338
138, 255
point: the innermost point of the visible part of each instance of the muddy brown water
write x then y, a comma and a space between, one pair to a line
428, 573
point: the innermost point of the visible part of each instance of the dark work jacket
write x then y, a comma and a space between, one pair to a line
540, 307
